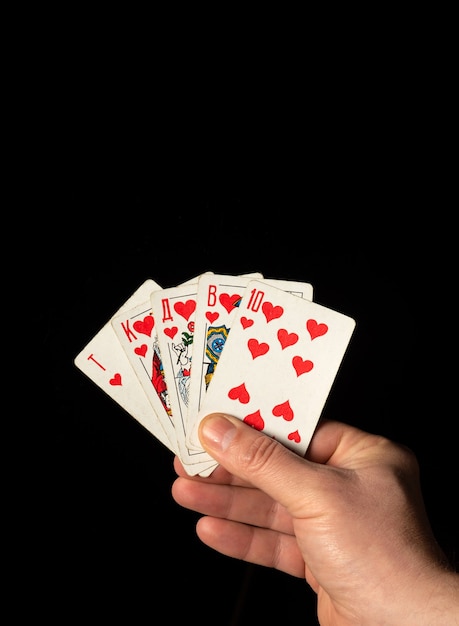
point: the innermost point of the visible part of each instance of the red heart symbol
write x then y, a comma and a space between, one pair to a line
212, 316
246, 323
295, 436
116, 380
144, 326
141, 350
185, 309
301, 367
255, 420
239, 393
286, 339
284, 410
171, 332
271, 312
315, 329
230, 302
257, 349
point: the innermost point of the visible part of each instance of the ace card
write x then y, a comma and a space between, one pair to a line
104, 361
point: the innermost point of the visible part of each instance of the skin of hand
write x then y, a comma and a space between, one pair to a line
349, 518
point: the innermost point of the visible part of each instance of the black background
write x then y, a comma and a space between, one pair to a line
356, 202
113, 541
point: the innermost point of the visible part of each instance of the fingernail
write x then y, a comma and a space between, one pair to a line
217, 431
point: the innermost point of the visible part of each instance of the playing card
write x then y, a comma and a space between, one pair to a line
173, 310
279, 363
218, 299
104, 361
136, 331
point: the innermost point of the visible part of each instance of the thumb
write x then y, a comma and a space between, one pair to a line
258, 459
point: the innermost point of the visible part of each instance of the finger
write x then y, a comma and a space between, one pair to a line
252, 544
250, 506
341, 445
219, 476
265, 463
328, 440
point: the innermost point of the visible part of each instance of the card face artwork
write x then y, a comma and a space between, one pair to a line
136, 331
218, 299
278, 364
174, 311
104, 361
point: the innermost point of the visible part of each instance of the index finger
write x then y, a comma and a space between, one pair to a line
220, 476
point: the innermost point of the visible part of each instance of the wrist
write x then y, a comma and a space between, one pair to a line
442, 606
435, 600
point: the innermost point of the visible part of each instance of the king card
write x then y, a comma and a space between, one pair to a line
136, 332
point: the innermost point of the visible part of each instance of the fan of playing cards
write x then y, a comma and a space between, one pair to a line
158, 356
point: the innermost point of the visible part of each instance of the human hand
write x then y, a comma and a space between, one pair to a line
349, 518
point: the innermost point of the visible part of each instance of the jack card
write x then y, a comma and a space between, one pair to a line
218, 299
279, 364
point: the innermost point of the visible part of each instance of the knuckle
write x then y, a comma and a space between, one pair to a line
259, 454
